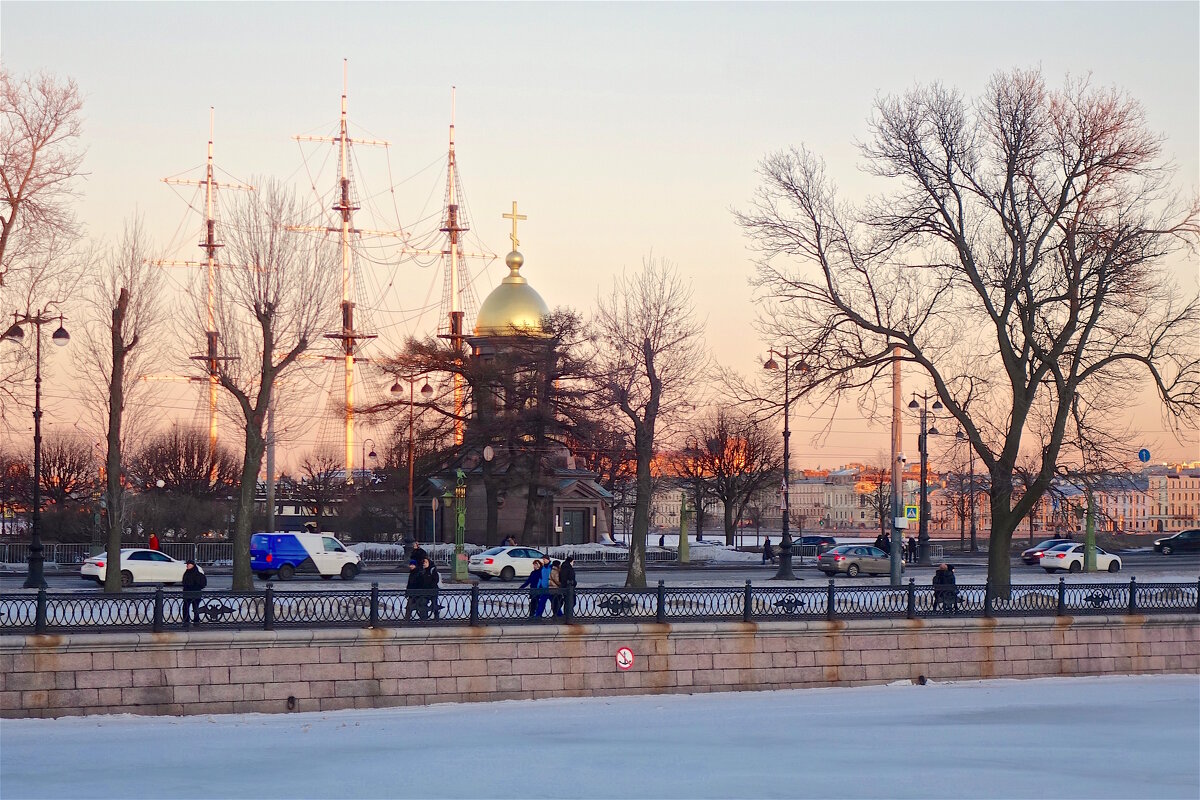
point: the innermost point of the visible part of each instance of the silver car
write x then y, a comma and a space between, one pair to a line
853, 559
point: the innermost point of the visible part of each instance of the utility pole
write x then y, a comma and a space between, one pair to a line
897, 473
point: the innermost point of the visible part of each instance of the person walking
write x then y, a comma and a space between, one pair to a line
912, 550
566, 579
418, 554
944, 589
152, 542
555, 586
413, 591
532, 583
194, 582
432, 580
768, 552
951, 586
543, 588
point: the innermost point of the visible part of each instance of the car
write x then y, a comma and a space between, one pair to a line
1179, 543
822, 543
1034, 554
138, 565
1069, 557
505, 563
282, 555
853, 559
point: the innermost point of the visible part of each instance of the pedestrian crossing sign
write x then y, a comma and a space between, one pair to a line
910, 513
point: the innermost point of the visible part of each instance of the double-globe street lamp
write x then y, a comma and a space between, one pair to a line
426, 393
923, 444
36, 579
785, 542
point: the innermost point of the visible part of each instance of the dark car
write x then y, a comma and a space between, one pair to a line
822, 543
1034, 554
1182, 542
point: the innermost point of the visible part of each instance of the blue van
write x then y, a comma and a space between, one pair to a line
282, 555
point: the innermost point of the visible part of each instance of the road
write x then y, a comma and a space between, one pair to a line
969, 569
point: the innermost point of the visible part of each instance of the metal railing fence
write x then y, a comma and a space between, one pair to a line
62, 612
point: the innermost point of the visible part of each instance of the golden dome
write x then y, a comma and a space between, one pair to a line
514, 304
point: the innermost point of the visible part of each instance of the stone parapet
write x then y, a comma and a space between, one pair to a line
220, 671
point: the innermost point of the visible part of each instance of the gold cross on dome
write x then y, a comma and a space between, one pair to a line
514, 216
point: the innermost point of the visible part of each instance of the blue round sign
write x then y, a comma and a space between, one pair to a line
1143, 455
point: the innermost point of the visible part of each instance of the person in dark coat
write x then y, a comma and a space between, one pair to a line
944, 589
568, 582
912, 550
194, 582
418, 554
532, 584
768, 552
414, 591
432, 580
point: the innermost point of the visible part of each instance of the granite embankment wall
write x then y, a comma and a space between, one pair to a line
213, 671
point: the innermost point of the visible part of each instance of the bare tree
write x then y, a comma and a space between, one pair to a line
126, 298
741, 457
650, 349
40, 124
322, 481
182, 459
1018, 263
273, 300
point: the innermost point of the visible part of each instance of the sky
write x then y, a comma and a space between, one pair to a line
970, 739
623, 130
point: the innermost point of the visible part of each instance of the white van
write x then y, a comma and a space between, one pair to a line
284, 554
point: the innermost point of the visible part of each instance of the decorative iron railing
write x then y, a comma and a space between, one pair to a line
59, 612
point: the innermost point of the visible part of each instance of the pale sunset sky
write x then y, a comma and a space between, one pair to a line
621, 129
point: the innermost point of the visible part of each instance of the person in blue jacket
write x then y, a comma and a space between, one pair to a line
532, 584
543, 588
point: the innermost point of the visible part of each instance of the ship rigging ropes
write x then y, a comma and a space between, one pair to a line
383, 293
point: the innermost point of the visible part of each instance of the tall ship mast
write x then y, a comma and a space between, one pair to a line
348, 338
209, 245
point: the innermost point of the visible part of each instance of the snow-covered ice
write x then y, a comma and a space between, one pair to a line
1128, 736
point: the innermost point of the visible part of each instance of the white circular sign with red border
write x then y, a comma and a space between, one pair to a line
624, 659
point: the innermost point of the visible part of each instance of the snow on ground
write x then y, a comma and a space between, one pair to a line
1128, 736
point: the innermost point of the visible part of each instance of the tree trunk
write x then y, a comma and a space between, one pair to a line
1004, 523
635, 578
114, 494
699, 517
243, 579
730, 530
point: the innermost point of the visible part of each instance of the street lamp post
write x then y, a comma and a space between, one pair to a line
923, 444
364, 457
962, 437
785, 542
36, 579
426, 393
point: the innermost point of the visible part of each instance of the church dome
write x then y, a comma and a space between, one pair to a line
514, 304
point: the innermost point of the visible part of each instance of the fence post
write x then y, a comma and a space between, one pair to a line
157, 624
987, 598
374, 622
1061, 609
269, 608
912, 598
829, 601
1133, 606
569, 611
660, 613
39, 619
474, 604
747, 603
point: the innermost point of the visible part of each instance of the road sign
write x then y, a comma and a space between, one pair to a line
1143, 455
910, 513
624, 659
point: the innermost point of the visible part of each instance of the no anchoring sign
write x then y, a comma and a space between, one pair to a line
624, 659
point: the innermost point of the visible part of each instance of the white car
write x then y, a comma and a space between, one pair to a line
1069, 556
505, 563
138, 565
